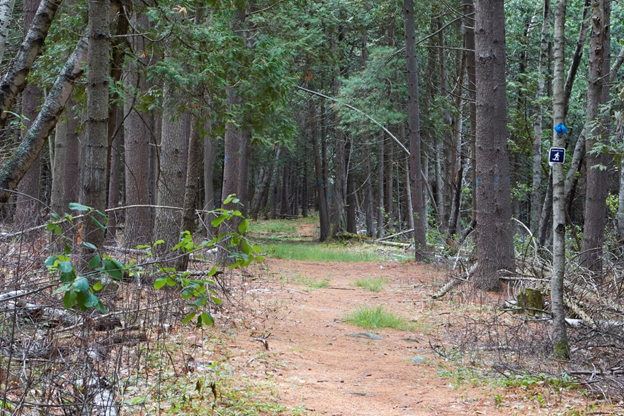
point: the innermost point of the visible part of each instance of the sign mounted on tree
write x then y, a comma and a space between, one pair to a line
556, 155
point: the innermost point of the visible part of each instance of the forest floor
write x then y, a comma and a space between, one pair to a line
314, 362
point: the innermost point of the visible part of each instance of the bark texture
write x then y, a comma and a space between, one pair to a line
171, 179
597, 94
31, 146
14, 81
139, 221
560, 338
494, 241
94, 151
420, 231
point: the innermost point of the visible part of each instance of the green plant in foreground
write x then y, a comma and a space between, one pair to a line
372, 285
76, 286
377, 317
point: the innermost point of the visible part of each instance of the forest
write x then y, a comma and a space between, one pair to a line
483, 134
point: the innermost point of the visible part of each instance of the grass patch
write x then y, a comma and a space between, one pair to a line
372, 285
378, 317
272, 227
316, 252
318, 284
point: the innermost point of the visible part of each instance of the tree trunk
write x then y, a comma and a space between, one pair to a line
320, 184
560, 338
14, 81
494, 242
351, 200
285, 190
114, 187
597, 174
380, 187
194, 159
243, 170
469, 42
45, 122
576, 58
172, 176
139, 221
536, 200
94, 153
6, 14
413, 114
231, 159
28, 208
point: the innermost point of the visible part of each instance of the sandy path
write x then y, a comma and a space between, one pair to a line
329, 372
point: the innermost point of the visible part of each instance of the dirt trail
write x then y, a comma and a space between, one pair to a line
330, 372
320, 365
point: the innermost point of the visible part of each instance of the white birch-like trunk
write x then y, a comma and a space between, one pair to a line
561, 348
6, 13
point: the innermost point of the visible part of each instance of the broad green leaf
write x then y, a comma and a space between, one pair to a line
69, 300
160, 282
89, 245
50, 226
98, 286
91, 301
112, 269
78, 207
57, 230
81, 284
246, 248
216, 300
171, 282
95, 261
218, 220
212, 272
189, 317
100, 307
207, 318
242, 227
158, 242
66, 267
67, 249
50, 261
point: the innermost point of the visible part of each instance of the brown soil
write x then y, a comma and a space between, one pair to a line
318, 368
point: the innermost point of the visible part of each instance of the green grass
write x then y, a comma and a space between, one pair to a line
316, 252
372, 285
318, 284
272, 227
377, 317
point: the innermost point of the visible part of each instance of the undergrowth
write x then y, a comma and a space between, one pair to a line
372, 285
375, 318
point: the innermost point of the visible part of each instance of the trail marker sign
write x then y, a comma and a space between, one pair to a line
556, 155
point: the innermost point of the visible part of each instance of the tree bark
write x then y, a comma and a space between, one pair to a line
536, 200
14, 81
576, 58
28, 208
31, 146
320, 184
494, 242
94, 150
139, 221
561, 348
597, 174
413, 114
114, 186
194, 159
6, 14
172, 176
469, 42
351, 197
